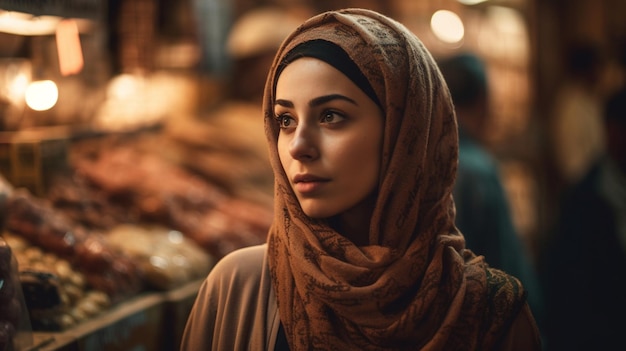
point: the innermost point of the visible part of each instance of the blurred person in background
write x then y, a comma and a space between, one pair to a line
482, 207
577, 128
213, 20
584, 267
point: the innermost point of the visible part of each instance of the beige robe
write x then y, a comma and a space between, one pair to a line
236, 309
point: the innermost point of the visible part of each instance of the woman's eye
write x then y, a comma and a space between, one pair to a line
332, 117
284, 121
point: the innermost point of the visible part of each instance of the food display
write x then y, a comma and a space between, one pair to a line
13, 313
120, 196
133, 219
105, 267
128, 183
167, 258
122, 221
57, 295
9, 318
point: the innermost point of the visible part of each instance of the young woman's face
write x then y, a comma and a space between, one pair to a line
330, 140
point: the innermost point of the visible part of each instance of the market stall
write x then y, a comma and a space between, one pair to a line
116, 196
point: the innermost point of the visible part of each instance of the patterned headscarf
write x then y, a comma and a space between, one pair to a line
415, 286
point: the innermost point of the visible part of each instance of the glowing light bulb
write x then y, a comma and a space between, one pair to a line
42, 95
447, 26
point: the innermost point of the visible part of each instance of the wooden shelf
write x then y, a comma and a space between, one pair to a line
151, 321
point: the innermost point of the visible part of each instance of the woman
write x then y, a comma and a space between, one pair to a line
363, 253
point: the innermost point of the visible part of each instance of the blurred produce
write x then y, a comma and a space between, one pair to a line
13, 312
123, 218
130, 182
9, 318
105, 268
168, 259
136, 210
229, 148
57, 295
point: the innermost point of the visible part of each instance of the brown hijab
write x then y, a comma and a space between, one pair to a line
415, 286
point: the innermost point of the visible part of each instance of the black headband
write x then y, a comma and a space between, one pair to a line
334, 56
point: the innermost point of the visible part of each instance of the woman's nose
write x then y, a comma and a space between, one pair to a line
303, 146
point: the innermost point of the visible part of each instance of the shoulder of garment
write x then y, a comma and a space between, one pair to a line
523, 334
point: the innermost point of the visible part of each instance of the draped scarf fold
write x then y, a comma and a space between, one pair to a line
415, 286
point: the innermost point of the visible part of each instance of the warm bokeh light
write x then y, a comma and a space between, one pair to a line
16, 87
471, 2
26, 24
124, 86
69, 48
447, 26
42, 95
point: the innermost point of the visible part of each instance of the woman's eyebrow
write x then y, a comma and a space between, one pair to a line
284, 103
326, 98
317, 101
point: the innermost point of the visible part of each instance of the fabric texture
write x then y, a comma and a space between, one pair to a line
236, 310
415, 286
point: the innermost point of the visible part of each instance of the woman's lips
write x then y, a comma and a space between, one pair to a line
307, 183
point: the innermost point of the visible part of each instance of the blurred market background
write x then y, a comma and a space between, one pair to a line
132, 149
